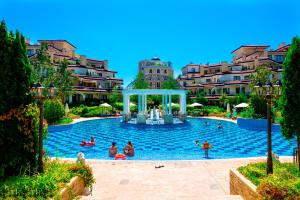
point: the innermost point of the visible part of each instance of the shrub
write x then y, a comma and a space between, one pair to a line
247, 113
54, 110
47, 185
214, 109
284, 183
85, 172
259, 105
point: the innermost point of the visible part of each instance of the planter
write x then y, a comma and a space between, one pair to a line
240, 185
74, 188
256, 124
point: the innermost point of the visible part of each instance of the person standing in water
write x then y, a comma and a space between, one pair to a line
205, 146
129, 150
113, 150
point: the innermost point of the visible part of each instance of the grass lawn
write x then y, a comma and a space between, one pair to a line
284, 183
44, 186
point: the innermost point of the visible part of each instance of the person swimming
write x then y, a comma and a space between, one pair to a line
113, 150
219, 126
206, 123
83, 142
93, 141
129, 150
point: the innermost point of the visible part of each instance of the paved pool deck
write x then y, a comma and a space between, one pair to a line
203, 179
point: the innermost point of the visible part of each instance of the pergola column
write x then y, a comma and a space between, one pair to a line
182, 104
170, 104
165, 104
139, 103
125, 103
145, 103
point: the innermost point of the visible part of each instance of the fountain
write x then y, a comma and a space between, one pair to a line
155, 116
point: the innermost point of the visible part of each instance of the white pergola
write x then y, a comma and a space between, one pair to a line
142, 99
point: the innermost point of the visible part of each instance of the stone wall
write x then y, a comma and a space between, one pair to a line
73, 189
239, 185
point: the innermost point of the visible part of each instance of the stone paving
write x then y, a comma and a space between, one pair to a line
205, 180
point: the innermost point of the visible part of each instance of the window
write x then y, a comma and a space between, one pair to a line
279, 58
237, 90
193, 70
236, 78
205, 71
100, 74
150, 71
165, 71
158, 85
150, 84
208, 80
217, 70
247, 77
158, 71
30, 52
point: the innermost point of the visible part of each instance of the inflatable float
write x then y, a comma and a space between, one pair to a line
120, 157
88, 144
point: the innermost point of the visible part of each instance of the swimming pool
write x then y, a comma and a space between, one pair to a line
163, 142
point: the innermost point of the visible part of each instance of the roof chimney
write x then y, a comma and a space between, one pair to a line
281, 45
27, 41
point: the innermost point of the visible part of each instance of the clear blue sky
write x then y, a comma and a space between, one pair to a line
125, 31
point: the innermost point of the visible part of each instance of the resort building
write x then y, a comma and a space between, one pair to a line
233, 78
155, 71
94, 79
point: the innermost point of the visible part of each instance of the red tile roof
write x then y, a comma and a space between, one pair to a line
262, 46
57, 41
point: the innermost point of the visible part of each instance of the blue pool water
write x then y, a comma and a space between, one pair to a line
163, 142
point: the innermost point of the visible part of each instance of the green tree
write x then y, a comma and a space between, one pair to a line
62, 79
262, 74
41, 65
140, 82
18, 119
200, 98
290, 99
170, 83
54, 110
115, 96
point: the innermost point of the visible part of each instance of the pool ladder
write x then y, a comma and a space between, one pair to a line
295, 155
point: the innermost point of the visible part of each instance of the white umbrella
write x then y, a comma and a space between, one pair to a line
242, 105
195, 105
228, 107
67, 110
105, 105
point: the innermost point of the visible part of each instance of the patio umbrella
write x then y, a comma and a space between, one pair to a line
67, 110
228, 107
195, 105
105, 105
242, 105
